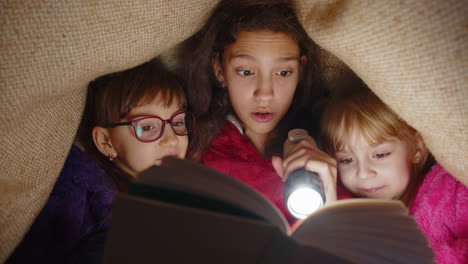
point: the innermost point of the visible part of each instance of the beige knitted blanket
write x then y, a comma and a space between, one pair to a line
411, 53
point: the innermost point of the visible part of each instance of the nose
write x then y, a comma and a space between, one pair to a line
264, 89
169, 138
366, 170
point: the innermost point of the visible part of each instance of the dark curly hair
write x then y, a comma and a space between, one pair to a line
205, 96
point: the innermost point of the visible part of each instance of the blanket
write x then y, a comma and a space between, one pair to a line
412, 54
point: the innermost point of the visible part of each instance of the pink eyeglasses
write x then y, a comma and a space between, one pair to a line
151, 128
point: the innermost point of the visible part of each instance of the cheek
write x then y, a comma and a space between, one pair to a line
235, 82
398, 173
290, 83
140, 158
345, 177
284, 100
240, 102
236, 97
285, 89
404, 167
183, 145
408, 173
234, 86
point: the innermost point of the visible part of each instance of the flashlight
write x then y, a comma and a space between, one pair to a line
303, 190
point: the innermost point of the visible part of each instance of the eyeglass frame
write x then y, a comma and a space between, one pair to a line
134, 123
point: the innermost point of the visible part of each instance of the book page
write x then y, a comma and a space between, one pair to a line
365, 231
195, 178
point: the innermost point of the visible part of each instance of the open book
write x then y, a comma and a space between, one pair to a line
184, 212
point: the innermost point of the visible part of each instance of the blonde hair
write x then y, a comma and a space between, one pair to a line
363, 112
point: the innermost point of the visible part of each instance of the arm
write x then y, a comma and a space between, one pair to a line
56, 227
73, 209
441, 210
454, 249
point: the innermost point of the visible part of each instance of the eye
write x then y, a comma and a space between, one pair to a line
284, 73
178, 123
381, 155
245, 72
346, 161
146, 128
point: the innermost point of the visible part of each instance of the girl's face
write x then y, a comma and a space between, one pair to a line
375, 171
261, 71
134, 156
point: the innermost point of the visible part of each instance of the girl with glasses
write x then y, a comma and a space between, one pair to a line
132, 119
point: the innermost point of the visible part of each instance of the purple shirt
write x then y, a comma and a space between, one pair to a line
80, 203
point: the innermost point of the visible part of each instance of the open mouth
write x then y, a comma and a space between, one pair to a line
262, 116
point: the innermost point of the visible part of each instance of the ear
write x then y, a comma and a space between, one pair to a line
101, 138
302, 62
420, 149
217, 69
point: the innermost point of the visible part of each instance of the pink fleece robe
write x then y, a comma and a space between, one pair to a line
441, 210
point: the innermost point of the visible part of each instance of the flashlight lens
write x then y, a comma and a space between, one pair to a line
304, 201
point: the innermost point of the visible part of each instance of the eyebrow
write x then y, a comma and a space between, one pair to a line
248, 57
388, 141
143, 114
342, 152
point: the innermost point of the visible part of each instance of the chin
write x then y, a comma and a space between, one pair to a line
263, 129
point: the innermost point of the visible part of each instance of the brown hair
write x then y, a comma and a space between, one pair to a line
365, 113
111, 97
208, 99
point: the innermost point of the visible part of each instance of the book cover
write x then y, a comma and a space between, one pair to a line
184, 212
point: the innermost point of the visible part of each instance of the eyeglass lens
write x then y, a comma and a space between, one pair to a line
150, 128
